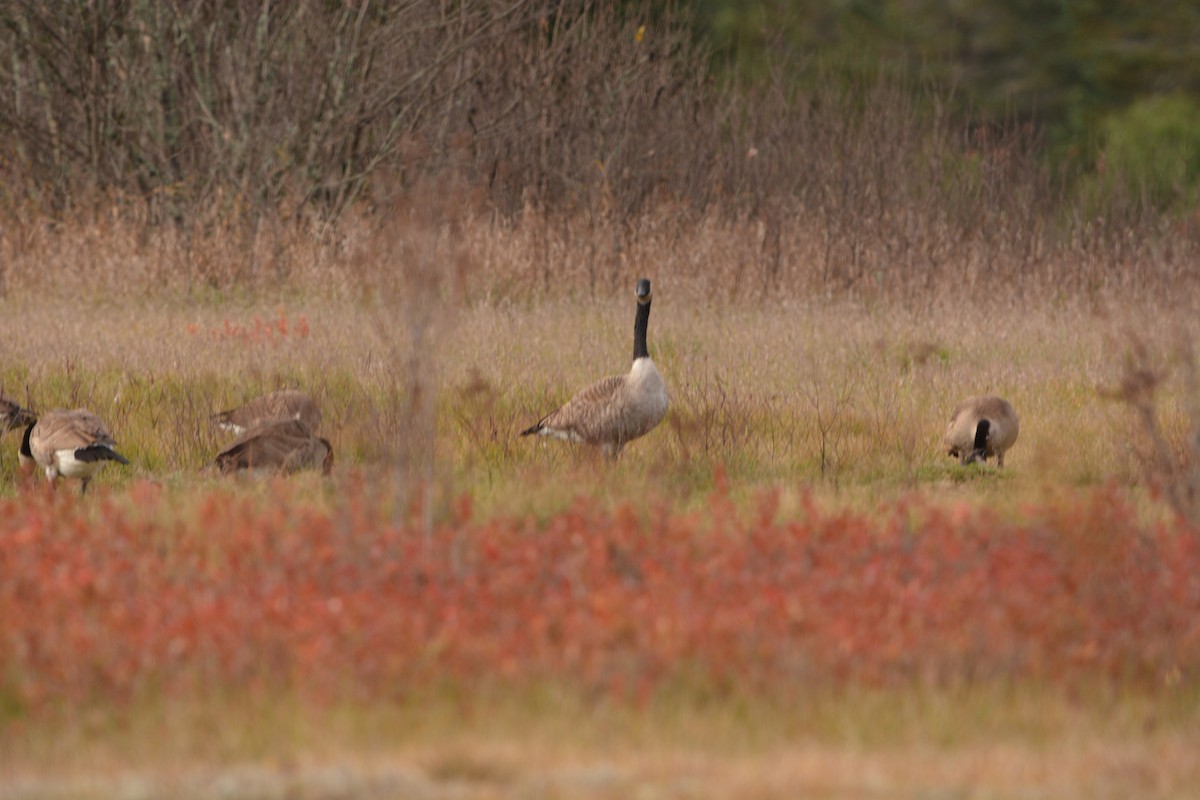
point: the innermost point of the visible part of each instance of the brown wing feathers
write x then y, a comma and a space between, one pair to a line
285, 446
281, 405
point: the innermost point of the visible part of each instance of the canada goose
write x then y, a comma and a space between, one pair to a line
71, 444
981, 427
615, 411
282, 405
12, 416
284, 446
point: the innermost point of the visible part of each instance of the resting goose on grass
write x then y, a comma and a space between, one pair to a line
981, 427
282, 447
615, 411
68, 444
282, 405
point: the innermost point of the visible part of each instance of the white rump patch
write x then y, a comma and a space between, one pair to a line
559, 433
66, 465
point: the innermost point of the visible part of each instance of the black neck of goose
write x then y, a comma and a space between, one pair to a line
640, 326
981, 434
25, 451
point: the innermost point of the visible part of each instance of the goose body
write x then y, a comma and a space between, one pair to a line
69, 444
616, 410
285, 404
981, 427
12, 416
284, 446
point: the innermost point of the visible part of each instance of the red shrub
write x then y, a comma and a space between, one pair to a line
110, 599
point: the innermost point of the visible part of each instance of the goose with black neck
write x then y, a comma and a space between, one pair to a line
616, 410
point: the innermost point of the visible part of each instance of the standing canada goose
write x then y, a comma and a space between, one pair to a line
282, 405
981, 427
284, 446
71, 444
12, 416
615, 411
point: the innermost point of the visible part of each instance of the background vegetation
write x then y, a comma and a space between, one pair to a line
431, 217
1063, 65
1062, 133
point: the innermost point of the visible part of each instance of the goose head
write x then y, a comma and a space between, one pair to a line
643, 291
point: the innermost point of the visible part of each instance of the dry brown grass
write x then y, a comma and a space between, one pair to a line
111, 250
1019, 746
490, 770
853, 397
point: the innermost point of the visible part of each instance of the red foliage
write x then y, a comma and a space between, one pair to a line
109, 598
256, 332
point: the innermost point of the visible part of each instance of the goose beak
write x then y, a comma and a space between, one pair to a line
643, 290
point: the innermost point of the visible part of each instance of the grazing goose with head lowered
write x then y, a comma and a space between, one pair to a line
615, 411
981, 427
284, 446
70, 444
282, 405
12, 416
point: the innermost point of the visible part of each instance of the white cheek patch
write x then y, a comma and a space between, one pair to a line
641, 367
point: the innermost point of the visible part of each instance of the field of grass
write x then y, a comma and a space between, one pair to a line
843, 397
787, 587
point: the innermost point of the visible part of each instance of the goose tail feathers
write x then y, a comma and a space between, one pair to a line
99, 452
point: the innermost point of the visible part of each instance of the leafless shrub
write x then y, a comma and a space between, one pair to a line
260, 108
1171, 463
415, 271
482, 420
829, 395
250, 144
711, 421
